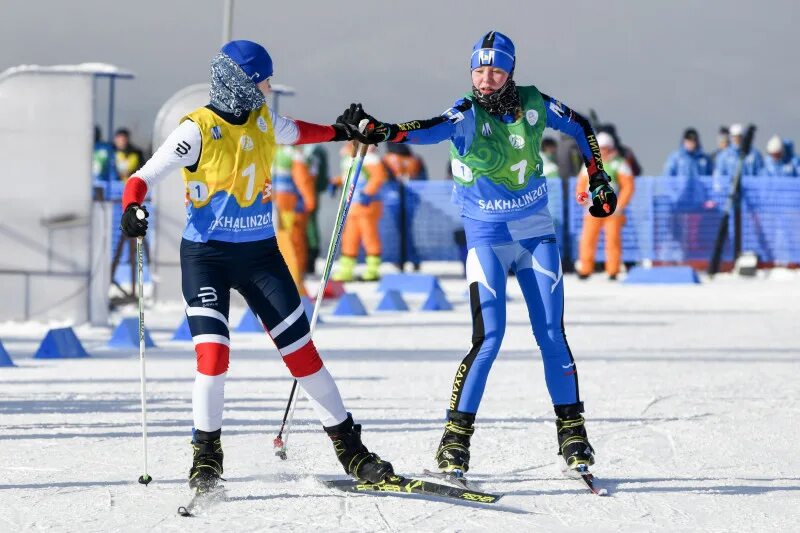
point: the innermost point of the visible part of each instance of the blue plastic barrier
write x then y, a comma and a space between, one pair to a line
5, 359
126, 335
60, 343
183, 333
392, 301
250, 323
422, 283
308, 305
664, 274
436, 301
350, 305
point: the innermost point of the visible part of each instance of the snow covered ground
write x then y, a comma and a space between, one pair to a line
692, 403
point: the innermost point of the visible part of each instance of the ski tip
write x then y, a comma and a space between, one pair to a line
281, 454
601, 492
183, 511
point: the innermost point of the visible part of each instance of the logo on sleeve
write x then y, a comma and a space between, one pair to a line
453, 115
262, 124
183, 148
486, 130
555, 107
408, 126
532, 116
216, 133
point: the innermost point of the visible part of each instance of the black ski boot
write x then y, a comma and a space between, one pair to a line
573, 444
453, 452
206, 461
354, 456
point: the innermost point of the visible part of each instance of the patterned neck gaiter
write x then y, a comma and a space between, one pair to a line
504, 101
231, 90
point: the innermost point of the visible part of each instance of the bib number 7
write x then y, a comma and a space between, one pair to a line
519, 168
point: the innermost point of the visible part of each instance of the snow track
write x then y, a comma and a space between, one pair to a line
692, 402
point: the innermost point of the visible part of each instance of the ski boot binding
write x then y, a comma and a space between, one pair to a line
354, 456
573, 444
206, 471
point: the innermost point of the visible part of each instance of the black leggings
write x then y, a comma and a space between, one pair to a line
258, 271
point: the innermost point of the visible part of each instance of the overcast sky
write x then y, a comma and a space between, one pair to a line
652, 67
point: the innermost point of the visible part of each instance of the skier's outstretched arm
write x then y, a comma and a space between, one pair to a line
601, 196
444, 127
183, 146
564, 119
290, 131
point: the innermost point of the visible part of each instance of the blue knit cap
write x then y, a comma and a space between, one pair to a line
251, 57
493, 49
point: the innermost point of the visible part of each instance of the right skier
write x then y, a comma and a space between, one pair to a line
495, 132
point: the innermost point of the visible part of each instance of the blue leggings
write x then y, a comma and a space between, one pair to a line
537, 265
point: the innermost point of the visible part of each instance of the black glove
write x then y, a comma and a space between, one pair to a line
130, 224
375, 131
604, 199
341, 133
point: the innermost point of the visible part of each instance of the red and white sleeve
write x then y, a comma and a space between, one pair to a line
180, 149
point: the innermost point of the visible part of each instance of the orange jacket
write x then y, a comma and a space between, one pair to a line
619, 172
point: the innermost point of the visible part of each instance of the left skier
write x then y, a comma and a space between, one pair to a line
225, 151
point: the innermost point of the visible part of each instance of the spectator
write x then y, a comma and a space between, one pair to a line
128, 158
402, 164
293, 191
362, 222
778, 162
723, 141
568, 157
624, 151
788, 151
688, 159
621, 177
102, 157
547, 151
317, 161
726, 160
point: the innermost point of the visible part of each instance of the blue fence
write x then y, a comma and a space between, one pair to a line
669, 219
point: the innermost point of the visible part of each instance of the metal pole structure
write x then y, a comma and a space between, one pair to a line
110, 132
737, 222
401, 190
227, 21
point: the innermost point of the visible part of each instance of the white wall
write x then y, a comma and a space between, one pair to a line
46, 137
